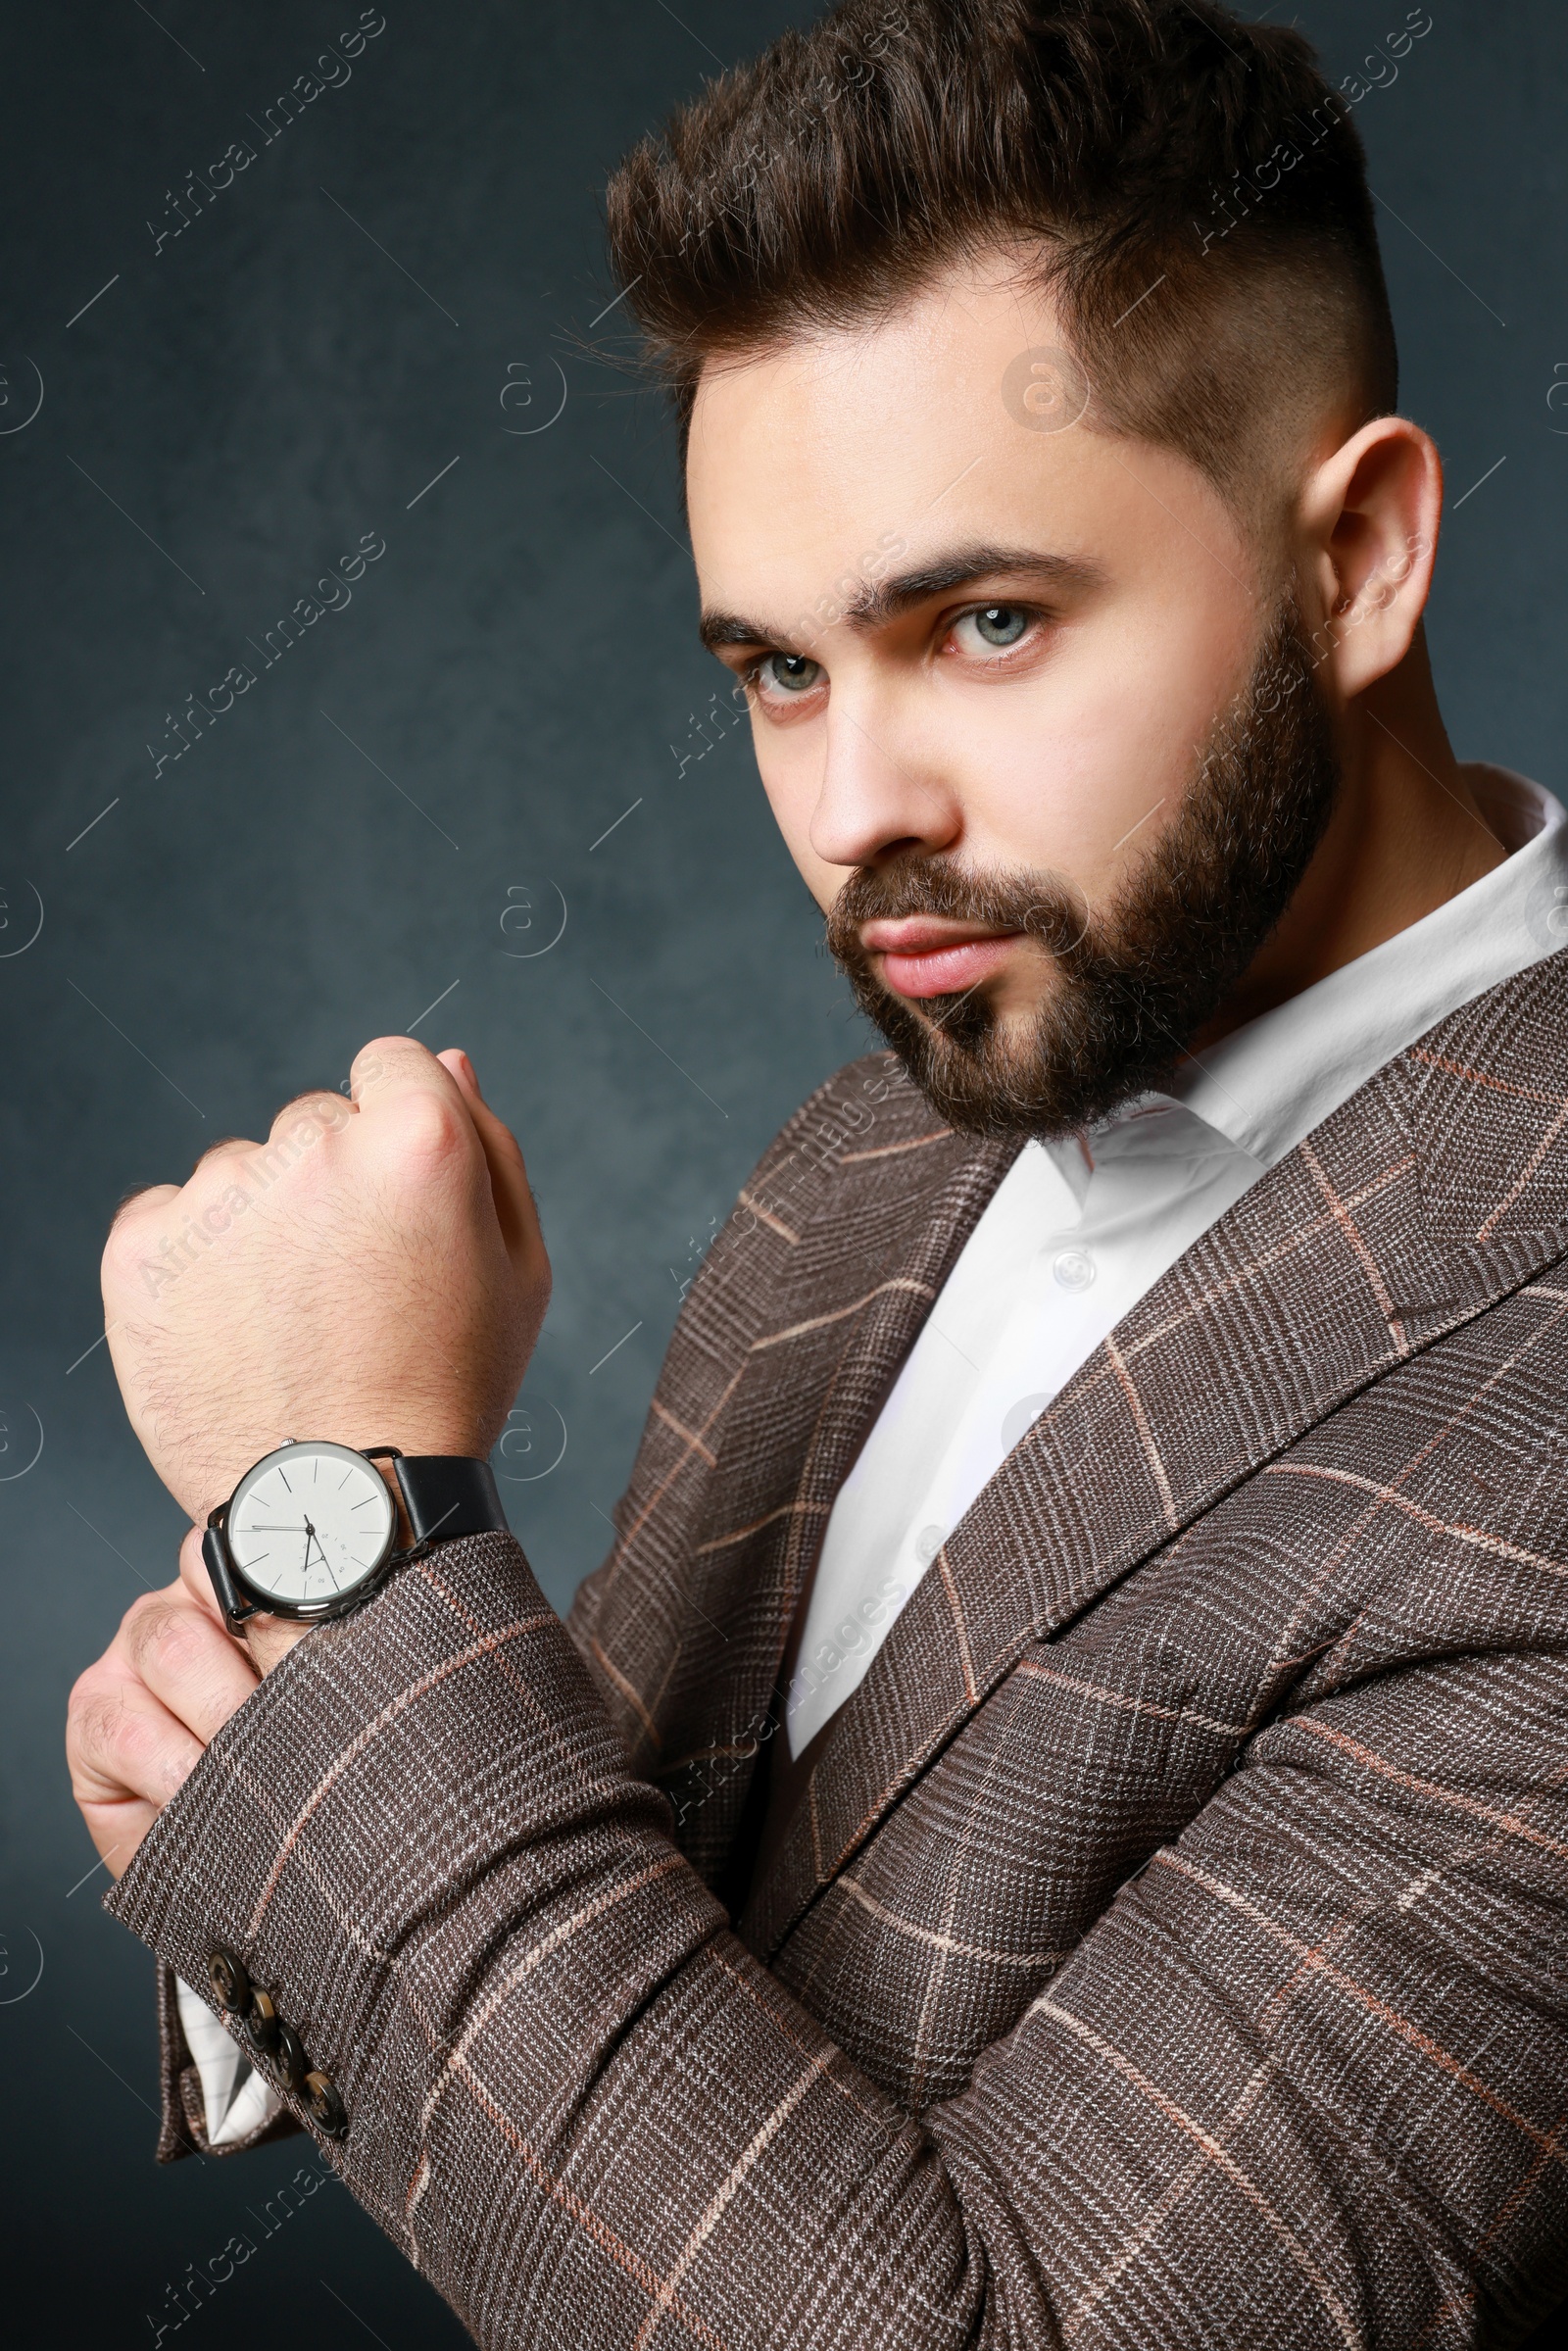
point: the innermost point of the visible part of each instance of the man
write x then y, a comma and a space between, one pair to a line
1049, 1825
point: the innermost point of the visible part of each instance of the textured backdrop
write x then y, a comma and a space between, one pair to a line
491, 791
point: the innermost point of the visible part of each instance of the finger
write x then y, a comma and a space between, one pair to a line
186, 1662
116, 1828
265, 1640
142, 1194
316, 1107
124, 1742
137, 1205
229, 1147
515, 1212
391, 1068
417, 1122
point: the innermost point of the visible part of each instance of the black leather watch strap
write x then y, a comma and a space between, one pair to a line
235, 1604
447, 1494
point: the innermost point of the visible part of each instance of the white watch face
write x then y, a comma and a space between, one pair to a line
310, 1523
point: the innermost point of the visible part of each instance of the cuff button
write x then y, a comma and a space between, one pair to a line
261, 2020
288, 2055
229, 1982
327, 2109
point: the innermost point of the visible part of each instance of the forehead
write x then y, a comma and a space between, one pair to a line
959, 417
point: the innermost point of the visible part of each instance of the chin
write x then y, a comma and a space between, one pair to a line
1012, 1014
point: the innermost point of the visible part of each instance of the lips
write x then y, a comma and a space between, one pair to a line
922, 955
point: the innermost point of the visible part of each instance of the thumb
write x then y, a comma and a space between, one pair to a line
509, 1178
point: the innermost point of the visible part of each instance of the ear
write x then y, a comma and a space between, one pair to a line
1370, 515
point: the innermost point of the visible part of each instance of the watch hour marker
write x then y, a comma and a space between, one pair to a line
319, 1569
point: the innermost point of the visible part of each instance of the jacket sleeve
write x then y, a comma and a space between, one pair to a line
187, 2125
1255, 2107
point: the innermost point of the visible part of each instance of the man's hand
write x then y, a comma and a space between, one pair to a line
373, 1273
141, 1718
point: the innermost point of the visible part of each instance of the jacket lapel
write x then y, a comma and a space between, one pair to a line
1438, 1187
705, 1630
903, 1285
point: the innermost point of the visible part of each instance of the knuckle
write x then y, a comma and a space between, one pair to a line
161, 1635
367, 1076
131, 1744
95, 1723
142, 1606
121, 1246
309, 1113
227, 1147
431, 1134
134, 1232
86, 1695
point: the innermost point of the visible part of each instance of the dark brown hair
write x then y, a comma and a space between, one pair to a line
1189, 188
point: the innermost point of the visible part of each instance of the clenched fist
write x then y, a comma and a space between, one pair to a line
373, 1273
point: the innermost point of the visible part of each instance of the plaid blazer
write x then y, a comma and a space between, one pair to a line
1170, 1948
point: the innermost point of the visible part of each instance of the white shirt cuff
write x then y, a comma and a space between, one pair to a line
238, 2099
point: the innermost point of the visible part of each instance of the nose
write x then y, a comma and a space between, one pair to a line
878, 793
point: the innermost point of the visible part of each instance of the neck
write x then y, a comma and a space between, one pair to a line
1407, 835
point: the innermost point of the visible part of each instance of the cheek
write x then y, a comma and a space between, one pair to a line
1061, 773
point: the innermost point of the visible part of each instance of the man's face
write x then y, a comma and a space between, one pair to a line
1015, 688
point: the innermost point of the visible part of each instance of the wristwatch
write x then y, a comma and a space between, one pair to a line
310, 1530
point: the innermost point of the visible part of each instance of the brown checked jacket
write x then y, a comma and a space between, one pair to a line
1169, 1946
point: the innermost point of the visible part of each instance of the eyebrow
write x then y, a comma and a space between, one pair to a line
879, 601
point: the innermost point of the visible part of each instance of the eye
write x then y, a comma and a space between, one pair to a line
786, 674
996, 626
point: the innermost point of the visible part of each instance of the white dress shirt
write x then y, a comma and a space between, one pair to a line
1077, 1231
1073, 1237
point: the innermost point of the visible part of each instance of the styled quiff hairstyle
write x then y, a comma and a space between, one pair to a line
1188, 187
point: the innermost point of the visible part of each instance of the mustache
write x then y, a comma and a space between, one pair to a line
1045, 907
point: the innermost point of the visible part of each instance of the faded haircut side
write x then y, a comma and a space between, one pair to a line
1188, 187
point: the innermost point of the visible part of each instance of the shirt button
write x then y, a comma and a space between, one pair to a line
1021, 1419
928, 1543
1074, 1268
229, 1982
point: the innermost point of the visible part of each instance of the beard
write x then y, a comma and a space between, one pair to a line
1134, 985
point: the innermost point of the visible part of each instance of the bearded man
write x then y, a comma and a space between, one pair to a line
1049, 1825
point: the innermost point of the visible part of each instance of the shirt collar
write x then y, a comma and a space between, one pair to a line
1269, 1083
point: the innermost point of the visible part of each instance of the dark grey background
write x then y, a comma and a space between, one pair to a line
227, 418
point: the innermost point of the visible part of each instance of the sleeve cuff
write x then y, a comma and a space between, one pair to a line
236, 2100
183, 2108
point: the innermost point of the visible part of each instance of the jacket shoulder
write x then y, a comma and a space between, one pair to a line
872, 1093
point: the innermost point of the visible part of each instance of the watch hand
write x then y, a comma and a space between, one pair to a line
311, 1536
